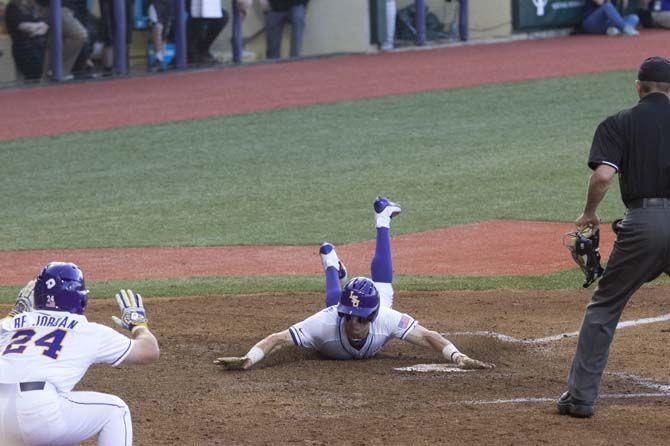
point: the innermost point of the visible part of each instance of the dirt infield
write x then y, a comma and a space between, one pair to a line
514, 248
194, 95
298, 398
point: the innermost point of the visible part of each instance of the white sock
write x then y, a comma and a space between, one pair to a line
330, 259
382, 221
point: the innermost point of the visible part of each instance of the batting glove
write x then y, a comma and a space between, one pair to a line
132, 310
25, 300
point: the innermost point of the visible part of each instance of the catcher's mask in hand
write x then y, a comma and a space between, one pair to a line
583, 246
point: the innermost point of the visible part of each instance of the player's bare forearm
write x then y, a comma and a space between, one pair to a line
429, 338
145, 347
257, 353
599, 183
275, 341
423, 337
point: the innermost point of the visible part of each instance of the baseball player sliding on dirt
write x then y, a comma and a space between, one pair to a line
46, 346
357, 321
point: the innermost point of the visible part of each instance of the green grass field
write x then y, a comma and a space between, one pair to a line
299, 176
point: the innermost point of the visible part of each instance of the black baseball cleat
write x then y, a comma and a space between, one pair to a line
567, 405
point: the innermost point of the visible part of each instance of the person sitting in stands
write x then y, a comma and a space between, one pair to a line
602, 17
29, 37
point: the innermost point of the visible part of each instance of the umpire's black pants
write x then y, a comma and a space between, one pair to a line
641, 253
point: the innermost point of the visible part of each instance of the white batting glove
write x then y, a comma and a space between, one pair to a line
25, 301
132, 310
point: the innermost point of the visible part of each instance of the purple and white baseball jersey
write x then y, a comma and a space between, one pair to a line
43, 354
57, 347
324, 331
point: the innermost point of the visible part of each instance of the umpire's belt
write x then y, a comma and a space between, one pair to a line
649, 203
32, 385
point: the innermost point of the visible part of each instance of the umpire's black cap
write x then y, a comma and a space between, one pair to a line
654, 69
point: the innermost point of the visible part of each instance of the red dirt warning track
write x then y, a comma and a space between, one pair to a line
492, 248
194, 95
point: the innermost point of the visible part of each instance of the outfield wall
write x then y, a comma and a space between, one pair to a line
333, 26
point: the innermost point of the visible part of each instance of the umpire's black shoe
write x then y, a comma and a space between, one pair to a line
567, 405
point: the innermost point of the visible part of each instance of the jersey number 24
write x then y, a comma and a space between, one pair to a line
52, 342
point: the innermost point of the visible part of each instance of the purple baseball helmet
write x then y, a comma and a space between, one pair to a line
359, 298
60, 287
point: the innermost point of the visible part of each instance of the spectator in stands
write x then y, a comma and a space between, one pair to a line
659, 12
108, 31
602, 17
83, 64
74, 34
29, 37
277, 14
207, 18
161, 14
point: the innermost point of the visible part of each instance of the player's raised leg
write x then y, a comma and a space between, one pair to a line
381, 268
334, 270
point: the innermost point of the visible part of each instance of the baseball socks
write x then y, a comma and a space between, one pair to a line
382, 263
334, 270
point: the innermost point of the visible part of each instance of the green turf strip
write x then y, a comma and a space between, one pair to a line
220, 286
301, 176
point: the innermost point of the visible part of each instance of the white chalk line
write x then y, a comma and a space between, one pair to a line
663, 390
548, 400
447, 368
643, 382
544, 340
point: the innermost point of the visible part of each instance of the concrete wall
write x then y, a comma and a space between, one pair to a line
487, 18
344, 25
490, 18
332, 26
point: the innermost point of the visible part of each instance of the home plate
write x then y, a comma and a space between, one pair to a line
446, 368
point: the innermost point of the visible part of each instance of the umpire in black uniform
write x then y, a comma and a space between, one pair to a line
635, 143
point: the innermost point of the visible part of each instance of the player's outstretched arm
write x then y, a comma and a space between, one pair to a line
257, 352
432, 339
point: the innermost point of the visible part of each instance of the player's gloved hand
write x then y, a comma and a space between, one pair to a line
24, 301
132, 310
234, 362
467, 363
